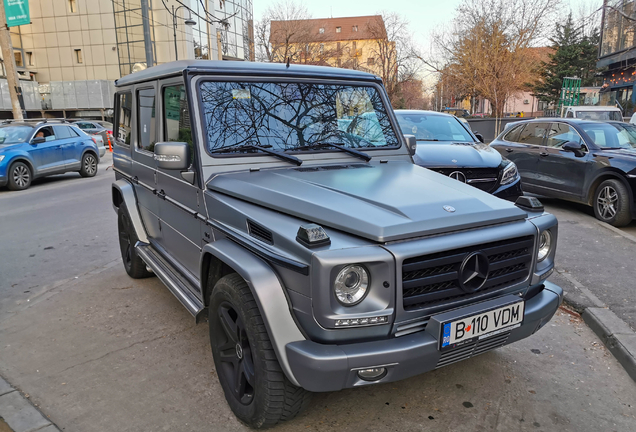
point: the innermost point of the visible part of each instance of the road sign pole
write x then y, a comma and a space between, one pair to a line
10, 68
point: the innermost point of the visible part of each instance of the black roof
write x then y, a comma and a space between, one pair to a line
241, 68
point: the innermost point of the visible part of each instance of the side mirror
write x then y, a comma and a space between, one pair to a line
573, 147
172, 155
38, 140
411, 143
479, 136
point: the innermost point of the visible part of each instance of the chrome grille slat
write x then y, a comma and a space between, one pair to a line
473, 349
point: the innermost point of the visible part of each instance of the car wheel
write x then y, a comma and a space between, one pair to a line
19, 176
134, 265
611, 203
254, 384
89, 165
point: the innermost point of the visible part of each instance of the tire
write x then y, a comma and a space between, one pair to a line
612, 203
20, 176
89, 165
262, 396
134, 265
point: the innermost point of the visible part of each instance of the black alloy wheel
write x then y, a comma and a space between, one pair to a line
612, 203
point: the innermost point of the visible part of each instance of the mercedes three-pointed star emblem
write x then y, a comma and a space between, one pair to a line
458, 175
473, 272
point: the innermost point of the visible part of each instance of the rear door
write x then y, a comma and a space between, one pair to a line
562, 171
71, 148
524, 151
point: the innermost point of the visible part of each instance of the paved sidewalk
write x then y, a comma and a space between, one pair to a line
18, 415
107, 353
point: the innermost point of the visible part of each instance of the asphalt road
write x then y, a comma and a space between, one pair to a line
98, 351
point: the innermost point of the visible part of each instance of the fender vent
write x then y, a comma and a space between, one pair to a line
260, 232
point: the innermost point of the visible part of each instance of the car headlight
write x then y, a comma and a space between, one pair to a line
351, 284
1, 158
510, 173
545, 245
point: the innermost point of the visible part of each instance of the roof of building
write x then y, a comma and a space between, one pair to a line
351, 28
241, 68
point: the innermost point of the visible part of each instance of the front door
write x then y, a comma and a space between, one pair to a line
562, 171
181, 231
48, 155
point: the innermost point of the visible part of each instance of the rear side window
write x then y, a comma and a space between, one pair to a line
533, 133
123, 116
72, 131
62, 132
513, 135
146, 120
176, 117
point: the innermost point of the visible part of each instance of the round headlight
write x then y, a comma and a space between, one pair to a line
351, 285
545, 244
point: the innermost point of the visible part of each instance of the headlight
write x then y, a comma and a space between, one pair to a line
1, 158
510, 173
545, 244
351, 285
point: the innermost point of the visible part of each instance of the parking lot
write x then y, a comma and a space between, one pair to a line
96, 350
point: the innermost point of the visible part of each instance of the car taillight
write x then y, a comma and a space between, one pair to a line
110, 132
94, 140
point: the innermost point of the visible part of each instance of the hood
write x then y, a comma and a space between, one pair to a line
454, 154
379, 201
615, 153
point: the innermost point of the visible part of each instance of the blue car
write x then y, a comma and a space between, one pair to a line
33, 149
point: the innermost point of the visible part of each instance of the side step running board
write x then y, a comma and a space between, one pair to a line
181, 288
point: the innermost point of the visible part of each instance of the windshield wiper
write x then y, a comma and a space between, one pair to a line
280, 155
351, 151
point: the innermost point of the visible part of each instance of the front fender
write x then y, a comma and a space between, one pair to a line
123, 191
268, 292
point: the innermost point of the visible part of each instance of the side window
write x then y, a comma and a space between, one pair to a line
46, 133
569, 114
61, 132
83, 125
123, 116
513, 135
146, 120
561, 133
533, 133
176, 117
73, 132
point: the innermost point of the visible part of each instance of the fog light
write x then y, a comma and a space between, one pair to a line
372, 374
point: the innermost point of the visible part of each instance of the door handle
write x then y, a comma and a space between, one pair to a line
543, 154
509, 150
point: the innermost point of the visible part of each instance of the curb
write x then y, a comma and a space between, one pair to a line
19, 414
617, 336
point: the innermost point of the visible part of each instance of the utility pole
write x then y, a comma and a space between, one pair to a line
15, 90
145, 17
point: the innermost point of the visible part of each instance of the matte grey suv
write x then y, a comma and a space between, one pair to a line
323, 257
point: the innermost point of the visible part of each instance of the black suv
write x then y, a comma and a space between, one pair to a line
447, 146
589, 162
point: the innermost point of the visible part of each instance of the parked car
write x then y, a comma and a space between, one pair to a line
457, 112
480, 115
32, 149
447, 146
598, 113
99, 141
324, 257
589, 162
96, 127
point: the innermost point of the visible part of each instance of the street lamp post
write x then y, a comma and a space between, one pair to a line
189, 21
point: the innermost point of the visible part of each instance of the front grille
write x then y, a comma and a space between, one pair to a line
433, 279
472, 349
481, 178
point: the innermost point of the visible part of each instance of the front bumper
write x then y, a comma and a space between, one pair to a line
510, 191
322, 368
3, 181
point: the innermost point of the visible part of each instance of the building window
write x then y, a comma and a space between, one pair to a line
72, 4
29, 58
338, 29
78, 56
321, 30
18, 58
370, 61
354, 28
322, 48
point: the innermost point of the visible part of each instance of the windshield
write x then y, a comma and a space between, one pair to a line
611, 135
599, 115
294, 116
14, 134
105, 124
433, 127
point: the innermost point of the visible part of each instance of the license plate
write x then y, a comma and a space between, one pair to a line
465, 330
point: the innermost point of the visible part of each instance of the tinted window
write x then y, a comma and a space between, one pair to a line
294, 116
560, 133
533, 133
123, 115
513, 135
431, 127
146, 124
62, 132
176, 117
